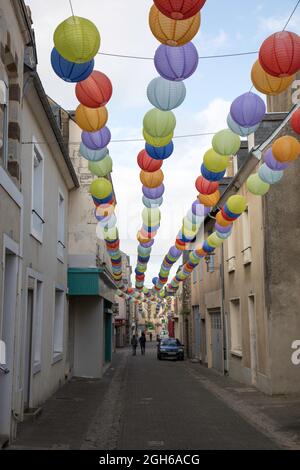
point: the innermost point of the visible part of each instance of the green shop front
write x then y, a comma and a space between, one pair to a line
91, 297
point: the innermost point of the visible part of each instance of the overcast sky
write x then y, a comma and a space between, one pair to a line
228, 26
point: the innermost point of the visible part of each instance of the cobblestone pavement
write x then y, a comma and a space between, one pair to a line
143, 403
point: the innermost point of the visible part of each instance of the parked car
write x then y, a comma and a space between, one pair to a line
170, 348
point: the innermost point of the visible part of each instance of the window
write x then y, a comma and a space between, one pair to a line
58, 324
231, 252
61, 228
37, 195
37, 328
195, 277
246, 238
211, 264
3, 123
236, 327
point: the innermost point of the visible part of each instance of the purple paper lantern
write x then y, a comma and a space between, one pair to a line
221, 229
272, 163
174, 252
153, 193
148, 244
199, 209
96, 140
176, 63
248, 109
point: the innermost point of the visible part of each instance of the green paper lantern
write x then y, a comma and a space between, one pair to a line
157, 141
77, 40
101, 168
159, 123
215, 162
101, 188
257, 186
111, 234
237, 204
226, 142
151, 217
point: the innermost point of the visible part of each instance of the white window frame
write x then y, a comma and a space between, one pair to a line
236, 335
58, 342
231, 261
246, 226
37, 235
4, 94
37, 320
61, 231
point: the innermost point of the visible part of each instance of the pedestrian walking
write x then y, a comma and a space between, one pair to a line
143, 343
134, 344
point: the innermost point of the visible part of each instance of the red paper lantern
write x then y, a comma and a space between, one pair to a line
179, 9
95, 91
295, 121
147, 163
206, 187
279, 54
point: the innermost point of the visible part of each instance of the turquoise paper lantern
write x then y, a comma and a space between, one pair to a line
165, 94
93, 155
269, 176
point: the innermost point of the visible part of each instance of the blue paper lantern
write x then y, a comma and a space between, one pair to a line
206, 247
224, 236
165, 94
269, 176
210, 175
69, 71
160, 153
93, 155
152, 203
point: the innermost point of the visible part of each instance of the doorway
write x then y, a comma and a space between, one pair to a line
28, 349
7, 334
253, 338
197, 331
216, 340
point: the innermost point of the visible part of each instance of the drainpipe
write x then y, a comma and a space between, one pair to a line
225, 345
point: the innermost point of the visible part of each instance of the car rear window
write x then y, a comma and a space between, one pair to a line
169, 342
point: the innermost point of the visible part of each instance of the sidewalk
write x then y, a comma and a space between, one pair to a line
276, 416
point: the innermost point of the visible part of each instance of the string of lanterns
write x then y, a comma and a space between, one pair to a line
174, 24
279, 60
77, 41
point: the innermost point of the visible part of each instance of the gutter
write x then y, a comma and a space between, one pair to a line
47, 108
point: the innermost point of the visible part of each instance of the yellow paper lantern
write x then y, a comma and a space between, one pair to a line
268, 84
286, 149
215, 162
173, 32
91, 119
101, 188
209, 200
157, 141
77, 39
237, 204
152, 180
214, 241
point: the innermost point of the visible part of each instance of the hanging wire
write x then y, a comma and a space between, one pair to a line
291, 15
217, 56
71, 6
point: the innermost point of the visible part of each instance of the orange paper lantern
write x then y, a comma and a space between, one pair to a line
89, 119
286, 149
268, 84
221, 221
209, 200
152, 180
173, 32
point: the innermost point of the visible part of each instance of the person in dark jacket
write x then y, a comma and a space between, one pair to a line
143, 343
134, 344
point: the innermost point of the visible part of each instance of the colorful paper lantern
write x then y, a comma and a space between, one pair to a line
237, 204
215, 162
69, 71
178, 9
224, 236
152, 180
89, 119
240, 130
77, 39
173, 32
166, 95
151, 217
159, 123
105, 210
210, 175
157, 141
147, 163
210, 200
248, 109
153, 193
176, 63
257, 186
152, 203
206, 187
207, 248
295, 121
214, 241
226, 142
96, 140
95, 91
272, 163
109, 222
286, 149
101, 188
102, 168
266, 83
269, 176
279, 54
221, 221
92, 155
160, 153
199, 210
223, 229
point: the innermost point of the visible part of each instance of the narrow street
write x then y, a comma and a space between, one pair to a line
143, 403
